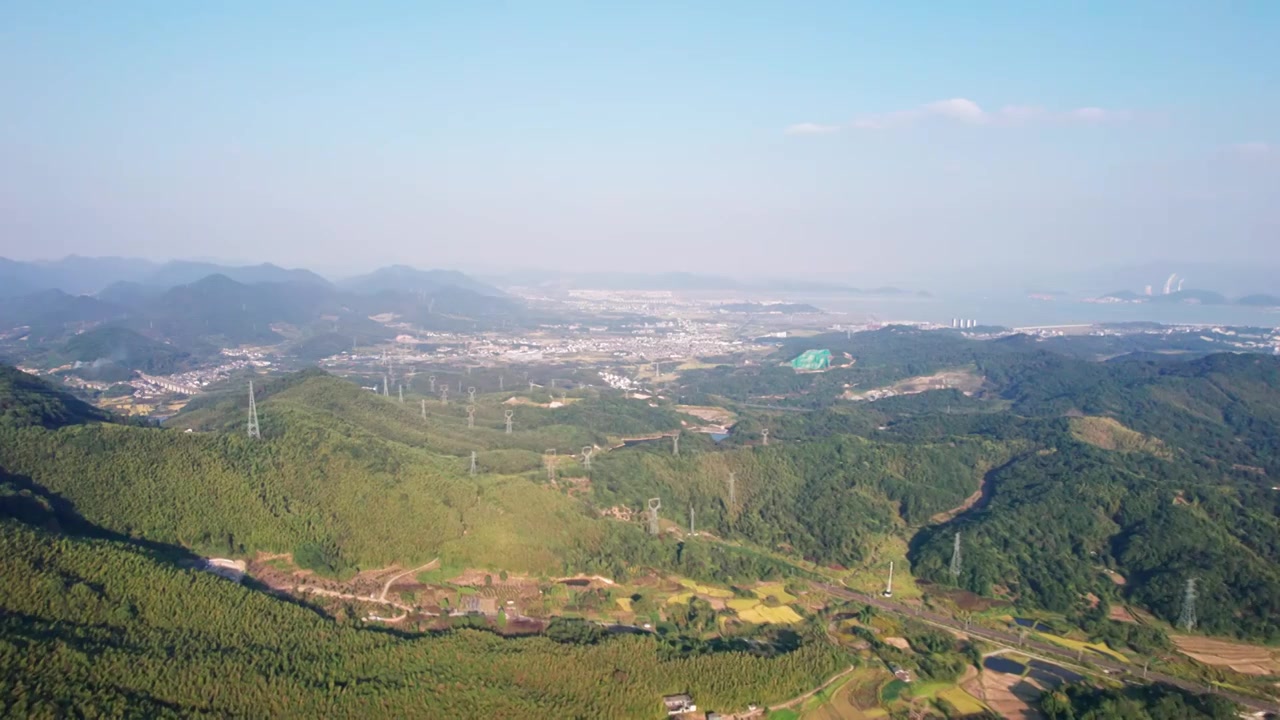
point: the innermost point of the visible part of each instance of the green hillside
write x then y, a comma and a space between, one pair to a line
125, 348
1061, 474
826, 500
1058, 518
27, 401
319, 486
342, 478
104, 627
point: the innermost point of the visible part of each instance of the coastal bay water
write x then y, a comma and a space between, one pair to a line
1017, 311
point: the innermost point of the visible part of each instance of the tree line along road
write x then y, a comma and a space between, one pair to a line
1113, 669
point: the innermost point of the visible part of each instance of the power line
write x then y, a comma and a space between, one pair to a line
1187, 619
955, 558
254, 431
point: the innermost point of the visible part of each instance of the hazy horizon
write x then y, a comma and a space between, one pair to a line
749, 141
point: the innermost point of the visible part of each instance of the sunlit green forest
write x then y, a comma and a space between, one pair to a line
1059, 472
101, 625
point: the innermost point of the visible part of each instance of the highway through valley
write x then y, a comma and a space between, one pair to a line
1109, 667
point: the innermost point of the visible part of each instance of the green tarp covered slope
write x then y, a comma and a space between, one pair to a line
812, 360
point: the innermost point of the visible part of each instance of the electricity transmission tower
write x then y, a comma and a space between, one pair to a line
254, 431
675, 444
471, 416
691, 530
473, 462
587, 452
509, 414
765, 434
955, 558
654, 505
733, 494
424, 409
1187, 619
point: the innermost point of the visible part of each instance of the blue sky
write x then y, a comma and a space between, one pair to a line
755, 138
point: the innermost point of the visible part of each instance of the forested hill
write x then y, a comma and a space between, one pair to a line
103, 612
26, 400
1060, 474
97, 626
1155, 470
1220, 408
344, 479
1158, 472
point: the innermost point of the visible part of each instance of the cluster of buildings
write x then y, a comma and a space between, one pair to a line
191, 382
619, 382
556, 343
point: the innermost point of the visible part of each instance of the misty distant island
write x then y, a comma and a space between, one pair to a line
777, 308
1190, 297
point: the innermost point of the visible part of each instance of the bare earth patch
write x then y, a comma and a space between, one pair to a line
1109, 434
898, 642
1120, 613
964, 380
717, 419
1243, 658
1010, 696
969, 502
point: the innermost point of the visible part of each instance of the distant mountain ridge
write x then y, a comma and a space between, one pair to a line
74, 275
405, 279
1259, 300
677, 281
1193, 296
180, 272
218, 310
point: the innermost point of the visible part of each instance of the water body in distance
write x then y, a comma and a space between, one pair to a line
1021, 311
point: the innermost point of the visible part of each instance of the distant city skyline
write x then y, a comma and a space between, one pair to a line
895, 141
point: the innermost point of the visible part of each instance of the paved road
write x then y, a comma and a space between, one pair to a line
1115, 669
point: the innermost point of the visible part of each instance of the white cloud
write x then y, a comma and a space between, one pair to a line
960, 109
1256, 149
1019, 114
885, 121
968, 112
1096, 116
808, 128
